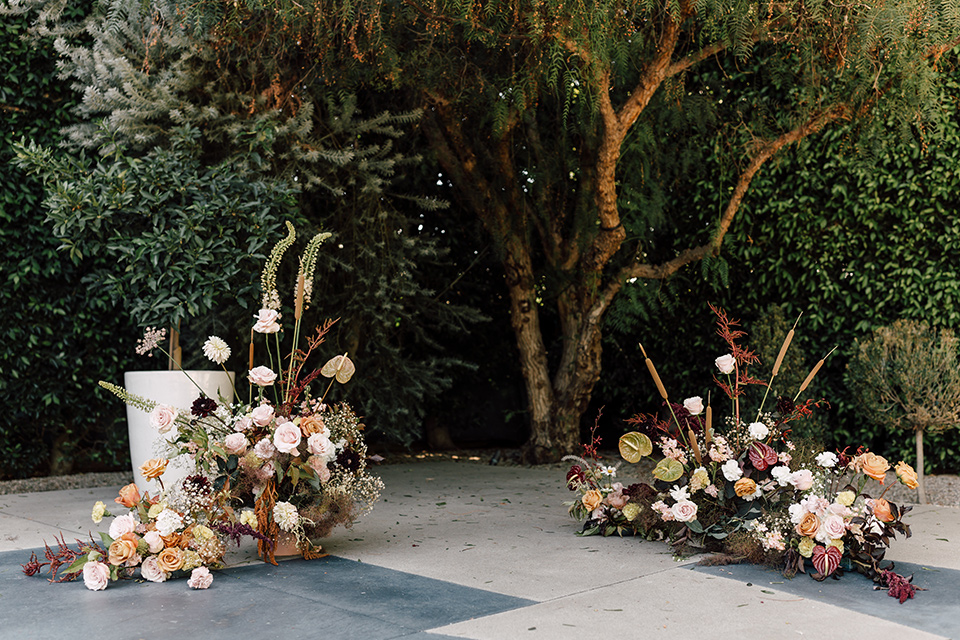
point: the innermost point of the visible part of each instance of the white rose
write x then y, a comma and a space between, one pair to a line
154, 542
262, 415
831, 528
684, 511
758, 430
262, 376
781, 475
235, 443
150, 570
827, 459
731, 470
245, 423
726, 363
802, 479
162, 418
287, 437
121, 525
320, 445
96, 576
694, 405
267, 321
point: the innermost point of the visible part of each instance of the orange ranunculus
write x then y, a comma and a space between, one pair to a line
153, 468
592, 499
311, 425
129, 496
170, 559
874, 466
809, 525
172, 540
907, 475
745, 487
881, 510
121, 551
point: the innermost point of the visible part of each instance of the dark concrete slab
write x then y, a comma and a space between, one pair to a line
935, 610
330, 598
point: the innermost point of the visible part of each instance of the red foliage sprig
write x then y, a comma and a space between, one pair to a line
63, 556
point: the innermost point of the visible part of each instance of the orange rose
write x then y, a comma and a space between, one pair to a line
311, 425
172, 540
745, 487
874, 466
881, 510
592, 499
129, 496
153, 468
121, 551
907, 475
809, 525
170, 559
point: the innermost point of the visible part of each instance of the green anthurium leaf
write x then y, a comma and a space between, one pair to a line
635, 445
106, 539
668, 470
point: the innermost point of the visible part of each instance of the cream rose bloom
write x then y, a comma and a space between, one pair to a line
806, 545
96, 576
694, 405
726, 364
150, 570
684, 511
846, 498
262, 415
262, 376
287, 437
235, 443
200, 578
162, 418
267, 321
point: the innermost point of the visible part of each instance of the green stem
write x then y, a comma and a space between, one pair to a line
182, 370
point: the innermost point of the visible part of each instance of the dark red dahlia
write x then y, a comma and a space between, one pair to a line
203, 406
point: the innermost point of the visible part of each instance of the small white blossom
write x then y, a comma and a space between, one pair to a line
731, 470
679, 493
168, 522
827, 459
758, 430
781, 475
286, 516
216, 349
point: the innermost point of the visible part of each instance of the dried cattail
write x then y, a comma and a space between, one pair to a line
298, 305
653, 373
708, 429
783, 352
694, 446
813, 372
251, 350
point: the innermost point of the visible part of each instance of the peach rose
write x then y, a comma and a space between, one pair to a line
808, 525
313, 424
874, 466
170, 559
907, 475
122, 551
592, 499
154, 468
745, 487
129, 496
881, 510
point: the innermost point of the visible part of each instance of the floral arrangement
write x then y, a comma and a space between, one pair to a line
747, 490
300, 464
179, 531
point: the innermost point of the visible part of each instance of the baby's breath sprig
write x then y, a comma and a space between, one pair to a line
268, 280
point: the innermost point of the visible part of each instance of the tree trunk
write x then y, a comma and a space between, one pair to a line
921, 492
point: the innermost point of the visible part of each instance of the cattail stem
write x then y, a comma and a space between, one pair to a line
298, 303
708, 428
813, 372
663, 391
694, 446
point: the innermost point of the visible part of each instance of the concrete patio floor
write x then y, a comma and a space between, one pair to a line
465, 550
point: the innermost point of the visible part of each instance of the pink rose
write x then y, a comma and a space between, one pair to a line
244, 424
96, 575
262, 376
200, 578
694, 405
235, 443
684, 511
150, 570
287, 437
615, 498
320, 445
802, 479
154, 542
265, 449
832, 528
267, 321
121, 525
262, 415
319, 465
162, 418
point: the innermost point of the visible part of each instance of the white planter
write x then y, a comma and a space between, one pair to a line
174, 389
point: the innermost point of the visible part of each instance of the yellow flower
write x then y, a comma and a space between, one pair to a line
249, 518
153, 468
155, 510
699, 479
99, 509
907, 475
631, 511
806, 546
846, 498
836, 542
191, 560
201, 532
